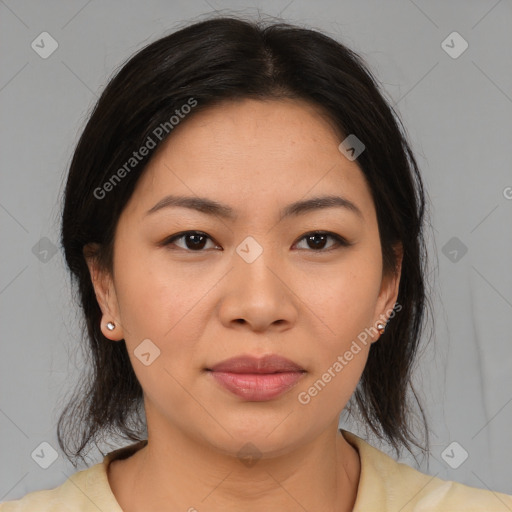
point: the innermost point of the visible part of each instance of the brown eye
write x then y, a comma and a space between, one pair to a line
192, 240
196, 241
317, 241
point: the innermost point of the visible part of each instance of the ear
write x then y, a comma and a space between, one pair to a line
389, 288
105, 293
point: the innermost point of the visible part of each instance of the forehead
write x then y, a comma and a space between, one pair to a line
253, 155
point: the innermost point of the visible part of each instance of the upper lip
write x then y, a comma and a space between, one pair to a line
250, 364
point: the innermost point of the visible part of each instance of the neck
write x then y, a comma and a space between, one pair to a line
180, 473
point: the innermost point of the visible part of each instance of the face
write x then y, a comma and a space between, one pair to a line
193, 288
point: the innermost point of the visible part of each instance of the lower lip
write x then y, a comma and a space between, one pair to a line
257, 387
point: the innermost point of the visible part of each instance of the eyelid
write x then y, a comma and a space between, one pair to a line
340, 240
170, 239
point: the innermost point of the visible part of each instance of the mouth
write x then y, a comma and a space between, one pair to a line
257, 379
250, 364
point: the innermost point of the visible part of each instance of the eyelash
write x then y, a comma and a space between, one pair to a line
340, 241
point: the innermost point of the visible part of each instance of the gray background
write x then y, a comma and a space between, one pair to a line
458, 115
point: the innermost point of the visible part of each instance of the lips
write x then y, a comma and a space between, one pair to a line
257, 379
250, 364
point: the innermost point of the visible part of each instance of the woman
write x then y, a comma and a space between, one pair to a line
243, 217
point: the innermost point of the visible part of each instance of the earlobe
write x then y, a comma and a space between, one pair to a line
111, 330
105, 294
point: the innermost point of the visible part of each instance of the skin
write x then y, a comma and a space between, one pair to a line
200, 307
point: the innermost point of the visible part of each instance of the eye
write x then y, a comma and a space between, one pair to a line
194, 241
317, 240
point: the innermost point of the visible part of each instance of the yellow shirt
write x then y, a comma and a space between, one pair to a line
384, 486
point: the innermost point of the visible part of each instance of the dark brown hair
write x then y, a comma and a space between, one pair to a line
221, 59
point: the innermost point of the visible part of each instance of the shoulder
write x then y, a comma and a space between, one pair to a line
84, 491
390, 486
64, 498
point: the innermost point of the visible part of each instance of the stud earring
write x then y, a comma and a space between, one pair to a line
381, 328
111, 326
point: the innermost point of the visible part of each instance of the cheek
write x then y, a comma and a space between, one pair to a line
161, 301
344, 302
344, 299
145, 293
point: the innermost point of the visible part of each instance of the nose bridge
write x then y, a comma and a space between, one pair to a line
256, 265
256, 292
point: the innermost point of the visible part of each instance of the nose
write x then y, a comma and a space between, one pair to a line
259, 295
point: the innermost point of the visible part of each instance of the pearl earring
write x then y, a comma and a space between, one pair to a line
111, 326
381, 328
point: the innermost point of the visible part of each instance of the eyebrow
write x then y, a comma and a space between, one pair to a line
211, 207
